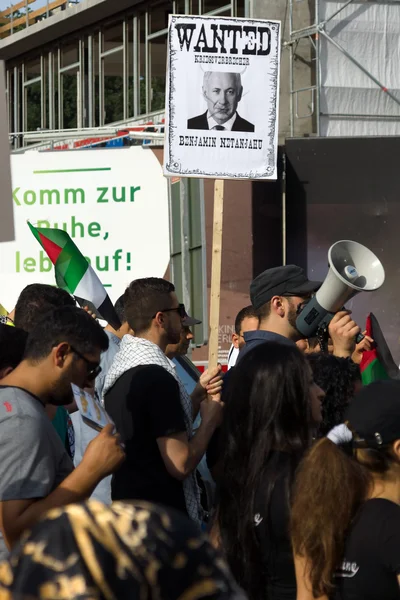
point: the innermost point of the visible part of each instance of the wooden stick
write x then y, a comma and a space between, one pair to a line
216, 272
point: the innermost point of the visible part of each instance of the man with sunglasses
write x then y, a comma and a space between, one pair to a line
151, 407
36, 472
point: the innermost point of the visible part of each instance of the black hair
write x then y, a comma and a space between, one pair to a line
66, 324
120, 309
336, 376
143, 299
264, 311
267, 409
12, 346
247, 311
37, 299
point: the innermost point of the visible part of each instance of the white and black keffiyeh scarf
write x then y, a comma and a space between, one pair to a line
136, 351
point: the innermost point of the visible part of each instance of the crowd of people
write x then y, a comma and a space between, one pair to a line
278, 480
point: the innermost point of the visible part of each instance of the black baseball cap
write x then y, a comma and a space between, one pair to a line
281, 281
374, 414
188, 321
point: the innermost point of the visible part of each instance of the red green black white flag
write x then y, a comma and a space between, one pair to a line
74, 273
377, 363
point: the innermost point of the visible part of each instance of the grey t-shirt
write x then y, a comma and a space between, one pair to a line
33, 460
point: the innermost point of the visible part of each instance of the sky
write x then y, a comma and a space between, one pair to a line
6, 3
38, 4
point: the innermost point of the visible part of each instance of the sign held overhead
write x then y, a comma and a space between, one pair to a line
222, 97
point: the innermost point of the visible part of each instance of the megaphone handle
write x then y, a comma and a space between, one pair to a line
359, 338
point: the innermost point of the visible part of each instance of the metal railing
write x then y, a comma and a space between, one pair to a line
28, 12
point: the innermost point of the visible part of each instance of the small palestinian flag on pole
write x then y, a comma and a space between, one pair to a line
377, 363
74, 273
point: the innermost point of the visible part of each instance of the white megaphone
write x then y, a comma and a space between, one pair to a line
353, 269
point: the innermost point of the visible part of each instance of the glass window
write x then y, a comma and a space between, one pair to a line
129, 52
33, 95
96, 81
142, 65
70, 100
210, 5
113, 70
158, 62
112, 37
55, 94
32, 69
179, 7
158, 17
10, 98
195, 7
69, 54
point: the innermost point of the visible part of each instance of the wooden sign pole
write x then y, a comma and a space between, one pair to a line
216, 273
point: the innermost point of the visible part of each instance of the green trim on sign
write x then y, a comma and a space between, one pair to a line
71, 170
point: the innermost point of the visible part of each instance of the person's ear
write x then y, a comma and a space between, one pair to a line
5, 371
159, 319
60, 353
396, 449
277, 306
235, 340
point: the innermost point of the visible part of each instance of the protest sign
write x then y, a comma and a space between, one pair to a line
222, 97
91, 411
113, 203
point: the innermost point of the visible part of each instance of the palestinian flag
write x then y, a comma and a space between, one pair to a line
377, 363
74, 273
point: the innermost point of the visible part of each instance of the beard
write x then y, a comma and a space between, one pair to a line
173, 334
292, 316
61, 393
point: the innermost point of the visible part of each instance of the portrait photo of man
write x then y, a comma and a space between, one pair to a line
222, 93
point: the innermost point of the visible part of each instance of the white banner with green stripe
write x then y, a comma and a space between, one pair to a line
112, 203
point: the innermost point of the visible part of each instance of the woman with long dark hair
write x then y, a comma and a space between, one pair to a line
272, 404
346, 513
340, 378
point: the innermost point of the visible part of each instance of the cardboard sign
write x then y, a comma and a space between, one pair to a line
91, 411
222, 97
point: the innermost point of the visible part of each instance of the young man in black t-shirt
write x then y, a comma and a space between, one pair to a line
146, 403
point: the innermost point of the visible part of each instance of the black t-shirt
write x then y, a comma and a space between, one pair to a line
213, 453
144, 404
272, 526
372, 554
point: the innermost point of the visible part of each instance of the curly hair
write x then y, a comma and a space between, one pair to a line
337, 377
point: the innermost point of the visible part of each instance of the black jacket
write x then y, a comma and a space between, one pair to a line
201, 122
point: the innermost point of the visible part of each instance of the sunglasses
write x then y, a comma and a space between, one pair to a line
180, 310
93, 368
302, 305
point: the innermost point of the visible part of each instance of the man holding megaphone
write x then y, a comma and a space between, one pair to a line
279, 296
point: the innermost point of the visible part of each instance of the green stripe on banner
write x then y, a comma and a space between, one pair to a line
71, 170
373, 372
71, 265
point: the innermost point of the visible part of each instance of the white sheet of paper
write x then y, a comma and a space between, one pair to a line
222, 97
90, 408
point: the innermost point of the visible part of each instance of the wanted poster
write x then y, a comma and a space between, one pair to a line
92, 413
222, 97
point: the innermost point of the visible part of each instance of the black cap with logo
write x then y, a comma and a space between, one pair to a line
374, 414
281, 281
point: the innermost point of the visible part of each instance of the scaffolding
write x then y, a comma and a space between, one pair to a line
304, 46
